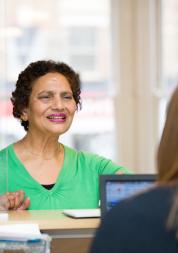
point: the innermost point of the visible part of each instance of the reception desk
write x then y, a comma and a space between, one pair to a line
68, 235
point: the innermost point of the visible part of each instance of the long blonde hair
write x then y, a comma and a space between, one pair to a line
167, 157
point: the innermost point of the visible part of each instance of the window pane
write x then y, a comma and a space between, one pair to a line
169, 53
169, 44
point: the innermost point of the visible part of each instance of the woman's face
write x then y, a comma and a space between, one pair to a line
51, 106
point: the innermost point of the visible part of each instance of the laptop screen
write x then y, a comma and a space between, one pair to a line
115, 188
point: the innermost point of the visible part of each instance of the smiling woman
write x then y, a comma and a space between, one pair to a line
51, 101
52, 175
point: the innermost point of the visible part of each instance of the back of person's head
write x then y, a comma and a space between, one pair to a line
167, 159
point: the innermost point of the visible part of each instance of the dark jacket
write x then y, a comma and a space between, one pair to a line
138, 225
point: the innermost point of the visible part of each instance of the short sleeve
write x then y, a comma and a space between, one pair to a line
106, 166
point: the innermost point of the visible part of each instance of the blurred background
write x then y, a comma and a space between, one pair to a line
126, 52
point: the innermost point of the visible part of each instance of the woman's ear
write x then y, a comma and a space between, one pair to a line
24, 115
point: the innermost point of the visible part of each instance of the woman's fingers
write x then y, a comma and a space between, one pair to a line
24, 205
16, 200
4, 203
19, 198
11, 200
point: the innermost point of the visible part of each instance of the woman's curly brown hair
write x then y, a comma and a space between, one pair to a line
21, 94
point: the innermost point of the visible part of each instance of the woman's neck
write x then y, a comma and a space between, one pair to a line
46, 147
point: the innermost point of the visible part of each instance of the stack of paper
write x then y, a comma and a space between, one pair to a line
20, 232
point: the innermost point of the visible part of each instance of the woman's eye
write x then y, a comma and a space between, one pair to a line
68, 97
44, 97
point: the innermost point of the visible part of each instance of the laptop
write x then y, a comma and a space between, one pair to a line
115, 188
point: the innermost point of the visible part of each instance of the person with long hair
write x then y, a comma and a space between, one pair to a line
148, 222
52, 175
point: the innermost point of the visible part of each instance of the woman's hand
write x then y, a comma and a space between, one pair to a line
14, 201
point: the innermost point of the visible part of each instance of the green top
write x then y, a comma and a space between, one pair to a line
77, 185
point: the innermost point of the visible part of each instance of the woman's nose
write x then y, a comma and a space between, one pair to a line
57, 103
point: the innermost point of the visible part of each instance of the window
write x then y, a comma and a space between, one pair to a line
169, 54
76, 32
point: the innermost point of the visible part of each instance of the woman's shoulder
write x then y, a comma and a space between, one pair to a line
95, 161
81, 153
86, 159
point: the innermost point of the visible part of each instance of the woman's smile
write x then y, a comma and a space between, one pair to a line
57, 117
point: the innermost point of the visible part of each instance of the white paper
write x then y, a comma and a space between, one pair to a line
4, 216
20, 232
83, 213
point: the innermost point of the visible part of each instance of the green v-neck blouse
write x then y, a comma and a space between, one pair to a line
77, 185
